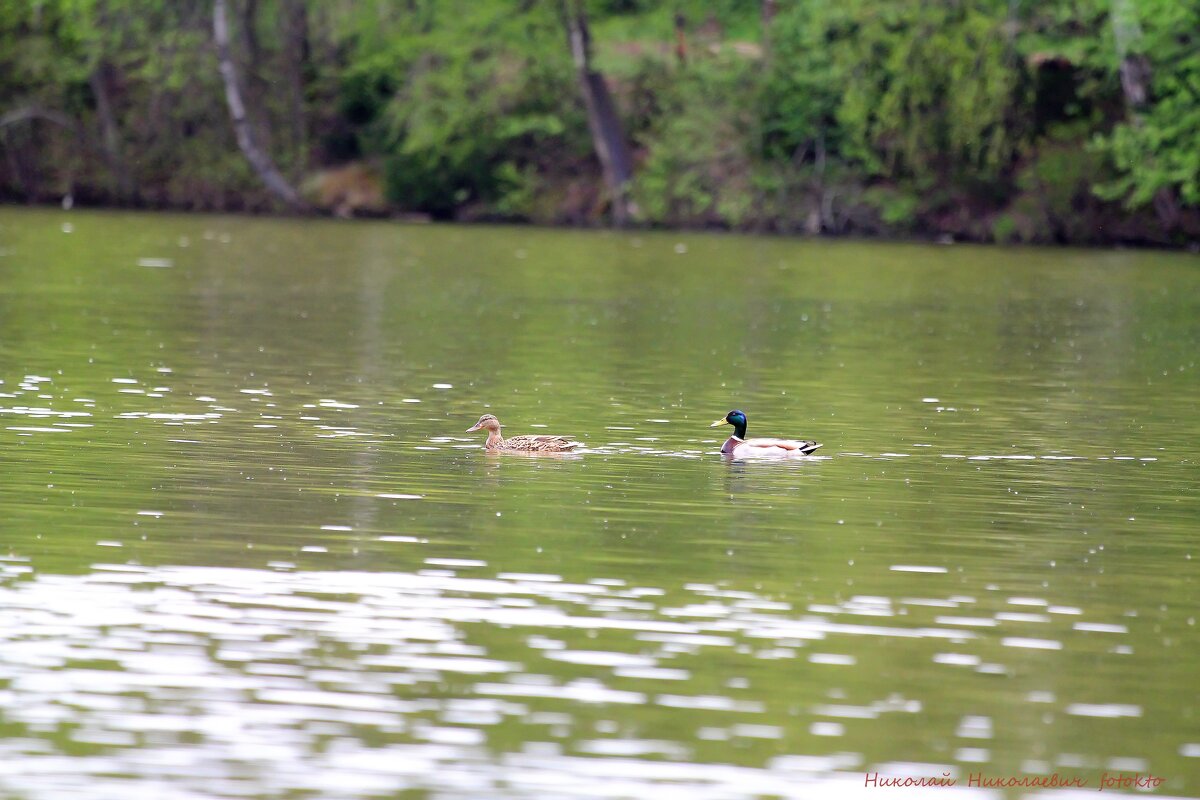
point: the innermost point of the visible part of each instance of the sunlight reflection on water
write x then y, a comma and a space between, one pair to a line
197, 680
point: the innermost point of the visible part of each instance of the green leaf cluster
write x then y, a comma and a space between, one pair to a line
976, 118
460, 99
1158, 150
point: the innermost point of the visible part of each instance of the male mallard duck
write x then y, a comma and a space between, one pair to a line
740, 447
525, 444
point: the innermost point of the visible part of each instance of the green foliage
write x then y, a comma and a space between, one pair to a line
803, 83
896, 208
151, 61
1004, 229
654, 20
989, 118
471, 110
1055, 200
927, 90
518, 191
1156, 150
698, 165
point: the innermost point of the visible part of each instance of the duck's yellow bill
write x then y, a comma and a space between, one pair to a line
721, 421
474, 427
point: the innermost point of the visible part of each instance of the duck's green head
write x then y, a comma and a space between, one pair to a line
735, 418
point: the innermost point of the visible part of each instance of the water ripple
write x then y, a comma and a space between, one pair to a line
210, 677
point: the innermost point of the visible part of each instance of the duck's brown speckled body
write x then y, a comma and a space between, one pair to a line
521, 444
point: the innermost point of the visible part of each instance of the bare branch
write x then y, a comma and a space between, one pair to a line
34, 112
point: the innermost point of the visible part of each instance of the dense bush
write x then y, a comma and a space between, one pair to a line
1063, 120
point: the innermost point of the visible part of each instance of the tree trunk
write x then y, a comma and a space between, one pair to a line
296, 57
34, 112
1132, 66
110, 132
1135, 72
259, 160
680, 38
253, 86
15, 166
608, 137
769, 9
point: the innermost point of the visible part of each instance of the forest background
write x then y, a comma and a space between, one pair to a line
1068, 121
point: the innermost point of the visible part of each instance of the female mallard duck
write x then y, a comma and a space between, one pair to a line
740, 447
524, 444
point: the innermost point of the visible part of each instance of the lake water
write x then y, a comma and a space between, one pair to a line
248, 551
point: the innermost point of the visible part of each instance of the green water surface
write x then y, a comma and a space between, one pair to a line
247, 549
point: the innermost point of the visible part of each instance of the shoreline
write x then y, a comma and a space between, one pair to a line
410, 218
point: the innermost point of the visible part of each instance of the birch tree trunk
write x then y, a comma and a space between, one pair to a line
1132, 66
608, 137
259, 160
